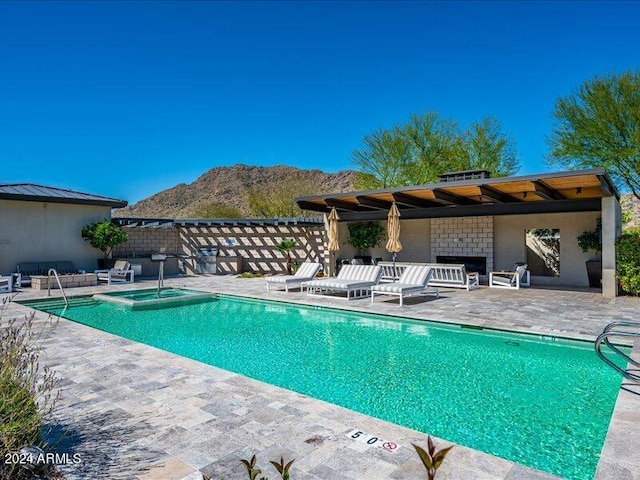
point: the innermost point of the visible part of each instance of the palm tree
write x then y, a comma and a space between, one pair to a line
285, 247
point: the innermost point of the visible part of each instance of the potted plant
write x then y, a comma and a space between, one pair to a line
104, 236
592, 240
364, 236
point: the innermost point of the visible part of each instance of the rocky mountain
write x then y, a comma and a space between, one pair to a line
227, 192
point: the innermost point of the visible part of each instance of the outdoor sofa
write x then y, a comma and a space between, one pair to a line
453, 275
392, 271
29, 269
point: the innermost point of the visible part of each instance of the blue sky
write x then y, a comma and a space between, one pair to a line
125, 99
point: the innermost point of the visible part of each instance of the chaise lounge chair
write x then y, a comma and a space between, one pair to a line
306, 272
120, 273
355, 280
521, 277
413, 281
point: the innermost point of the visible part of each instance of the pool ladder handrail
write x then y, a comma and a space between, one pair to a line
160, 277
55, 274
610, 331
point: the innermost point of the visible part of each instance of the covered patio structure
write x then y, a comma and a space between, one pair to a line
491, 223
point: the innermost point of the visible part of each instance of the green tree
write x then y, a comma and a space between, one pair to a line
487, 147
599, 126
417, 151
104, 236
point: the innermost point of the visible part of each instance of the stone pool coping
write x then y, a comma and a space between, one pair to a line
98, 369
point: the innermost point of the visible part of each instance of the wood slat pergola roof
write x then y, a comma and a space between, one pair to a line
569, 191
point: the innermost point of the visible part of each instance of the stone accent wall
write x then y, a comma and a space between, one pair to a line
466, 236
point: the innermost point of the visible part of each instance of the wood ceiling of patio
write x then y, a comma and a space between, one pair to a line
543, 193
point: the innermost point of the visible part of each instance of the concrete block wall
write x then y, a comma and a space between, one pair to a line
466, 236
252, 247
144, 241
256, 244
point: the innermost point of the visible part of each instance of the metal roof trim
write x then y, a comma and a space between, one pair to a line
29, 192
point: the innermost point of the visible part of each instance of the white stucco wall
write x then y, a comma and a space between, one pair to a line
414, 236
37, 231
509, 243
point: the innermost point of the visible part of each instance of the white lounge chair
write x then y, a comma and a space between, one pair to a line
414, 281
306, 272
120, 273
521, 277
453, 275
355, 280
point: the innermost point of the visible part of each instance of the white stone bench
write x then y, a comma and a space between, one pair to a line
453, 275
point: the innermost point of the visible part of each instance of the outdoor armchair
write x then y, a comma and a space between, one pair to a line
521, 277
120, 273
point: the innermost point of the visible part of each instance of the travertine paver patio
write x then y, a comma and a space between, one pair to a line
133, 411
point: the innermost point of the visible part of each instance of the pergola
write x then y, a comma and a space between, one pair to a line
474, 193
571, 191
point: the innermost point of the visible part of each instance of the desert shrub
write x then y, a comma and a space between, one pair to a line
628, 262
27, 389
251, 275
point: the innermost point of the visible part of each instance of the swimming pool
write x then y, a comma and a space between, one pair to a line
543, 403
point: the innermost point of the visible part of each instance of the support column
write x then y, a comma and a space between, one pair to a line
611, 229
326, 255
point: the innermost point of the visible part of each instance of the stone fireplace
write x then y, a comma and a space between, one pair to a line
466, 239
471, 264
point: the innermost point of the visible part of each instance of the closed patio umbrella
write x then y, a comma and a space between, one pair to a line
334, 244
393, 233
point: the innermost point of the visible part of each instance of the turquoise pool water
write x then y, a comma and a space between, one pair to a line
546, 404
152, 293
153, 299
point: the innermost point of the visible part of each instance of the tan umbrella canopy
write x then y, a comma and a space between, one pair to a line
334, 244
393, 233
